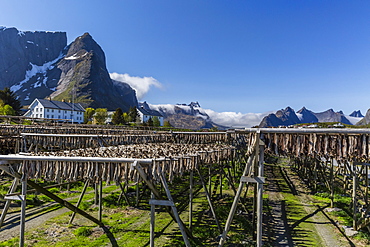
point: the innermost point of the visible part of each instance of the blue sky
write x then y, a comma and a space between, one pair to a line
236, 56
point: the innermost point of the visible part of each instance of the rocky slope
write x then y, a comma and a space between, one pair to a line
365, 120
41, 65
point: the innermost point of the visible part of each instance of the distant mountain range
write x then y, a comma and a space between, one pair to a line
190, 116
288, 116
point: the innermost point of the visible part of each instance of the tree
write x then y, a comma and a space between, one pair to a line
156, 122
167, 124
133, 114
10, 98
7, 110
89, 113
126, 117
117, 117
101, 114
149, 122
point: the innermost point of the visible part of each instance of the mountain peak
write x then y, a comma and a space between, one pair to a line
356, 114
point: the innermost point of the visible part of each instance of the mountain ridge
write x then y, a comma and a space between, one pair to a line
287, 116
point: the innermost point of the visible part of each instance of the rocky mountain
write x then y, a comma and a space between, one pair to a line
356, 114
283, 117
306, 116
365, 120
41, 65
190, 116
287, 116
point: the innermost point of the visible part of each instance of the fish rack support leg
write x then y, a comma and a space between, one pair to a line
79, 200
184, 231
7, 203
235, 203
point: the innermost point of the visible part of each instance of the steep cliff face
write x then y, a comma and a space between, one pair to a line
41, 65
84, 76
26, 51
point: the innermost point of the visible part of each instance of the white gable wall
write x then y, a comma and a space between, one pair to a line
37, 110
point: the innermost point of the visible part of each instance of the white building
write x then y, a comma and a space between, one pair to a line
145, 113
58, 110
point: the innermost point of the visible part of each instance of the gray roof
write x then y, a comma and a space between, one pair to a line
52, 104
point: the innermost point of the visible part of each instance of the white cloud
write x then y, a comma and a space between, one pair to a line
140, 84
236, 119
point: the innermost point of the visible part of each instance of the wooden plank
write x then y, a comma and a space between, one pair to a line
15, 197
161, 202
258, 180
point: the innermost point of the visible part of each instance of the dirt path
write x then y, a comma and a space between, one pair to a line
284, 229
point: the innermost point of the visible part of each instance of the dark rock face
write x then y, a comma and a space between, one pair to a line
40, 65
283, 117
20, 51
356, 114
307, 116
331, 116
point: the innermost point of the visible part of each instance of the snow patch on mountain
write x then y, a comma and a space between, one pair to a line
36, 69
353, 120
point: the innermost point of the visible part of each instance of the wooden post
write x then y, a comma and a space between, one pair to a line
209, 201
221, 170
96, 199
152, 221
12, 189
100, 199
235, 202
332, 184
354, 197
79, 200
123, 194
191, 200
23, 211
366, 183
7, 203
157, 194
209, 178
260, 193
174, 209
137, 191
